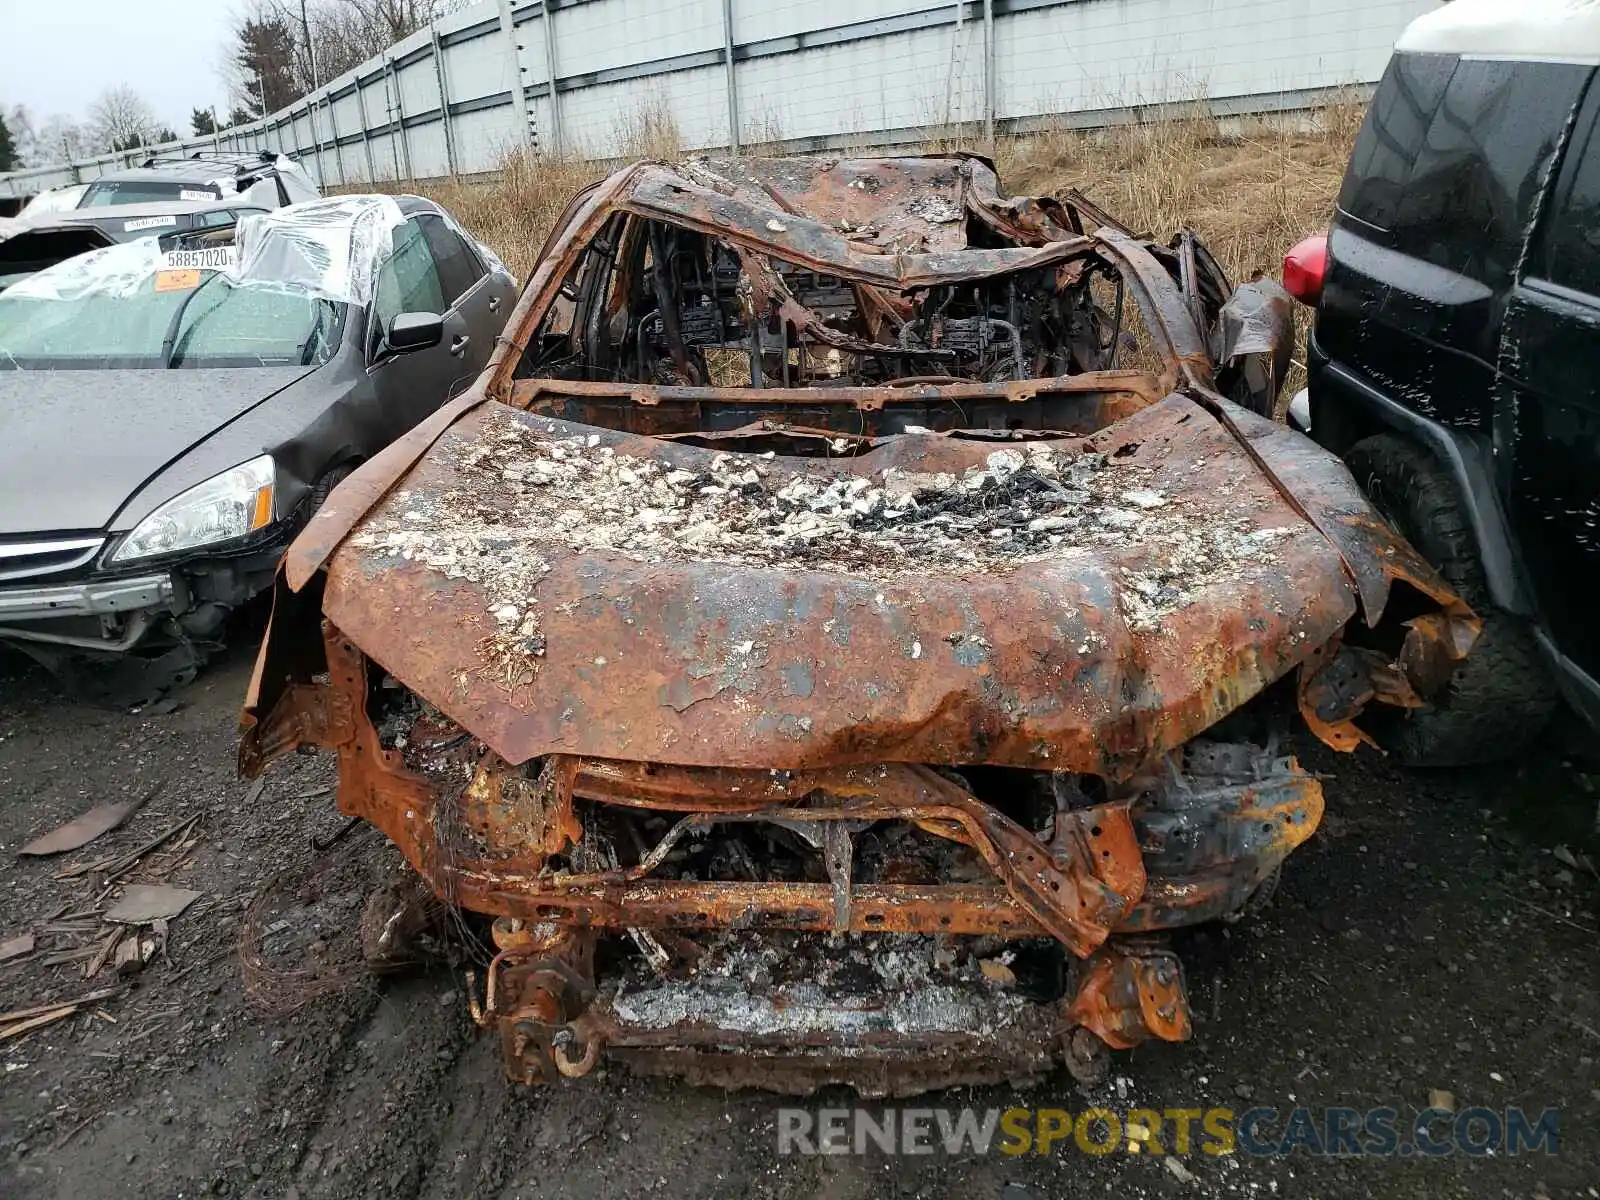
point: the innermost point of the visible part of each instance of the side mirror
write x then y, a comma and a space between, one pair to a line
414, 331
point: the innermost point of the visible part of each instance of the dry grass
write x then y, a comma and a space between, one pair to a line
513, 213
1251, 191
1250, 194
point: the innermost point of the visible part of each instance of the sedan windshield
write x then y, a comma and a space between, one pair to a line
174, 319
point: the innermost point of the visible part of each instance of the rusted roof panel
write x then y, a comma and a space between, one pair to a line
894, 205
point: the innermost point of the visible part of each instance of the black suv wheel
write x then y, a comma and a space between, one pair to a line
1500, 696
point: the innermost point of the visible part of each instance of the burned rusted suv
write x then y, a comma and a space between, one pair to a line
805, 640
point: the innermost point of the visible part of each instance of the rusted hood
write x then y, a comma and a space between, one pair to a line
545, 617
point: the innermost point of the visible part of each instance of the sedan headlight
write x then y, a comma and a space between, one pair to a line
224, 507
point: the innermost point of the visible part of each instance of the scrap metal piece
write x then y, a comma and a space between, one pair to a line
1131, 994
141, 903
83, 829
838, 851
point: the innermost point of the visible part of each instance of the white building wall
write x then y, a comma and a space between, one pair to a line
815, 73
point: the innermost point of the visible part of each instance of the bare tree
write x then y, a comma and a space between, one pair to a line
120, 119
285, 49
8, 147
25, 137
387, 21
342, 34
58, 140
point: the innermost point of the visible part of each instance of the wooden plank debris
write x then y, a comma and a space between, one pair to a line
16, 947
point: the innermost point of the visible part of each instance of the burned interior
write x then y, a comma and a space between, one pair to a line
731, 283
655, 302
822, 645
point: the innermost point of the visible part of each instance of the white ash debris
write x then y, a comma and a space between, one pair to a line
755, 985
471, 540
935, 208
527, 491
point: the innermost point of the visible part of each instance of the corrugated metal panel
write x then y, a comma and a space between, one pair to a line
909, 79
754, 22
1118, 53
610, 119
347, 116
466, 18
480, 67
428, 158
483, 137
387, 159
531, 36
539, 116
419, 87
618, 33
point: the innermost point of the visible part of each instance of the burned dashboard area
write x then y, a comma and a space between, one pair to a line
863, 297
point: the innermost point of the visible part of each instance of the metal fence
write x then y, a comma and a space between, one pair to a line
586, 76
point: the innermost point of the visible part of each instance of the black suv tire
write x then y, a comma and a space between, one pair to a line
1501, 695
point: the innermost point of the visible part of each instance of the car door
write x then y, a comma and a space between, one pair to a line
1547, 402
481, 297
411, 385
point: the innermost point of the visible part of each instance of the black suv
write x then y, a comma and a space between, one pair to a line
1454, 361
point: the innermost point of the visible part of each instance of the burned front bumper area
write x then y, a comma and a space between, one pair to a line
895, 927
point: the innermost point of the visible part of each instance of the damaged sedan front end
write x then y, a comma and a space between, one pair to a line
176, 407
809, 641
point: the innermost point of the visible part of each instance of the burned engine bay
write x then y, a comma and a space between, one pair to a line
855, 912
811, 646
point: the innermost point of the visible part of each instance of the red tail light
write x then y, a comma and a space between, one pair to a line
1304, 268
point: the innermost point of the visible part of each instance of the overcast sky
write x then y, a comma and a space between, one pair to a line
57, 55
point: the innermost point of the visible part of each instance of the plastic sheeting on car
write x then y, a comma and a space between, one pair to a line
331, 249
328, 249
119, 270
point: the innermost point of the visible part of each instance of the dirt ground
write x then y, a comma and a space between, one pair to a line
1428, 937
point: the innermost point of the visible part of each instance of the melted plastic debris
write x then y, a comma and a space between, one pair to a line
754, 985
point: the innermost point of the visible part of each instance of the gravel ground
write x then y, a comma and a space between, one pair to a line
1430, 936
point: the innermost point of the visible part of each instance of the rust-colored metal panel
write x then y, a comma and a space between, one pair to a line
1037, 666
